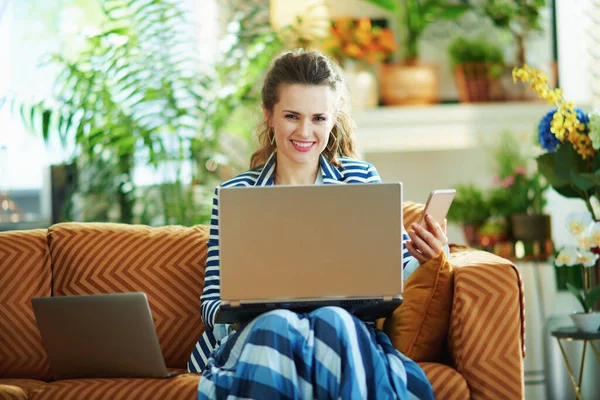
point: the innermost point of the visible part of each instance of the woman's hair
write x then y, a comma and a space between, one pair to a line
307, 68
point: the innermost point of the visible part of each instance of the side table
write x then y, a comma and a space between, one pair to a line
571, 333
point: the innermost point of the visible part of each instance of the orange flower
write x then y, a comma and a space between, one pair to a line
363, 37
387, 40
359, 40
363, 24
353, 50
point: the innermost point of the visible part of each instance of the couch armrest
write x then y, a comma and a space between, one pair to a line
487, 325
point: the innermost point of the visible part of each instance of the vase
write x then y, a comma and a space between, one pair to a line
362, 84
410, 84
587, 322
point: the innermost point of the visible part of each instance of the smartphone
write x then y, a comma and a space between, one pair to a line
437, 205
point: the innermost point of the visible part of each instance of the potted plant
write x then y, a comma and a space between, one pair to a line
470, 209
478, 65
358, 45
410, 81
123, 101
520, 18
584, 255
518, 191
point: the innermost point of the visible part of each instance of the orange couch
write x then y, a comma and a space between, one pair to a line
485, 341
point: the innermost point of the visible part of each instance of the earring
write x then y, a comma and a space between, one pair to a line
272, 136
332, 145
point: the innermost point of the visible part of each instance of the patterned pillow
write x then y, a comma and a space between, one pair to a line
418, 328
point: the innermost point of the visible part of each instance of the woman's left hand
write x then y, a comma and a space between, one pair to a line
427, 243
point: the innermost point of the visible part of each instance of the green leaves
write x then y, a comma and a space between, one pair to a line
389, 5
434, 10
578, 295
592, 297
567, 173
587, 300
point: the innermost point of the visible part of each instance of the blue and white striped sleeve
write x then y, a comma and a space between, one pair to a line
409, 263
211, 295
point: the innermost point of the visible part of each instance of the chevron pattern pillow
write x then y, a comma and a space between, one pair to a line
24, 274
166, 263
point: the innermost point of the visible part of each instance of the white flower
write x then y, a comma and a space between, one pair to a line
594, 234
594, 126
578, 222
587, 258
584, 241
568, 256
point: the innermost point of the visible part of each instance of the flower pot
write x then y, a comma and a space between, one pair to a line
588, 322
362, 84
531, 227
404, 84
476, 83
470, 232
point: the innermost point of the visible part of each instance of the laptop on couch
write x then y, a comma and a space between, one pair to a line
100, 336
305, 247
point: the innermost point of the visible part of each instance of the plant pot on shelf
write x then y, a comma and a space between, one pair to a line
588, 322
362, 84
478, 82
531, 227
407, 84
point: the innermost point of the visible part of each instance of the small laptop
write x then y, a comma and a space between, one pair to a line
100, 336
305, 247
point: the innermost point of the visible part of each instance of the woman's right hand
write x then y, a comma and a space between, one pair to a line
427, 243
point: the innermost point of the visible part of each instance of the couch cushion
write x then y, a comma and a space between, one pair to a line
179, 387
447, 383
19, 389
166, 263
418, 328
24, 274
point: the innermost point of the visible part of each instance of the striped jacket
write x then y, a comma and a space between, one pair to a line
351, 171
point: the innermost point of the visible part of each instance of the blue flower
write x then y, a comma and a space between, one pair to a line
582, 117
547, 140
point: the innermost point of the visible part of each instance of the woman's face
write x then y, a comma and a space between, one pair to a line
302, 120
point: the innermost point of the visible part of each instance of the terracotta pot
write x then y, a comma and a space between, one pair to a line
531, 227
470, 232
476, 83
402, 84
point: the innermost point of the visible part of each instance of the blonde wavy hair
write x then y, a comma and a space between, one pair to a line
314, 69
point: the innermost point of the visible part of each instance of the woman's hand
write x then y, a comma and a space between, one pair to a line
427, 243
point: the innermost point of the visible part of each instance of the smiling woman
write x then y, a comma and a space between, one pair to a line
306, 139
300, 123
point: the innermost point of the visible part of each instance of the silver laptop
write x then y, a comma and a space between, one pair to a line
305, 247
100, 336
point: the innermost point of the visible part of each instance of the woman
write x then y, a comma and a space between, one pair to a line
306, 139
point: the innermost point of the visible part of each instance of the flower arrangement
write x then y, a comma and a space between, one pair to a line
359, 40
585, 254
570, 138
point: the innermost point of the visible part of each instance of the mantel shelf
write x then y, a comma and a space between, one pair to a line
443, 126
